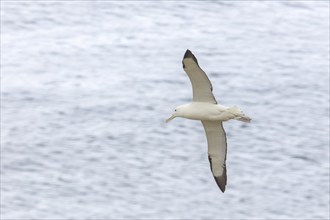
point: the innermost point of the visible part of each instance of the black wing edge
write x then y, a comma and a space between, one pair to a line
220, 180
189, 54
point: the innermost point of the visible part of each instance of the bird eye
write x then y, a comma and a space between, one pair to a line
174, 109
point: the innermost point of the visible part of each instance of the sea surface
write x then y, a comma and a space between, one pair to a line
87, 85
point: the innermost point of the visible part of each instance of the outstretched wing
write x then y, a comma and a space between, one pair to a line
201, 85
217, 150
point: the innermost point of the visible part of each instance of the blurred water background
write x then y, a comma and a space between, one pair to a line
86, 87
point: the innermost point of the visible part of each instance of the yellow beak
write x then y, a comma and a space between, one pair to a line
170, 118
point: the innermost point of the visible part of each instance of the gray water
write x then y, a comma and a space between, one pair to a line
86, 87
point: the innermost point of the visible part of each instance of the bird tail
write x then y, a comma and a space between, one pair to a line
244, 118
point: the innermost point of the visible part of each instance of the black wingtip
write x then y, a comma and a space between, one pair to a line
221, 182
189, 54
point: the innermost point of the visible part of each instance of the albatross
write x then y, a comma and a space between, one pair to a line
205, 108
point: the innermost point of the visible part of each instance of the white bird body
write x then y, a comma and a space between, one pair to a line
204, 107
208, 112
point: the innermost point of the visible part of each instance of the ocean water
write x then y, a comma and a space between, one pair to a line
86, 87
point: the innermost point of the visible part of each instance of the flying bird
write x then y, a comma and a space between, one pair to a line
205, 108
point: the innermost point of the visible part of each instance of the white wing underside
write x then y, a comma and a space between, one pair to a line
217, 151
201, 85
216, 136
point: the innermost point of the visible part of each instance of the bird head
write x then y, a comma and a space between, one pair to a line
178, 112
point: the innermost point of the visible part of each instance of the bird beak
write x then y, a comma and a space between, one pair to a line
170, 118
